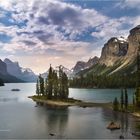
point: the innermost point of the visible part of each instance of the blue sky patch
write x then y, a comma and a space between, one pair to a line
5, 38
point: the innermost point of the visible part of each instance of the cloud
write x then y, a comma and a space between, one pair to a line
48, 22
49, 29
28, 42
132, 4
116, 27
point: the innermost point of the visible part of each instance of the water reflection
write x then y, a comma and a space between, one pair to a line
56, 120
9, 99
124, 119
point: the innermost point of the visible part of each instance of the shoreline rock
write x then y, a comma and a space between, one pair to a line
68, 102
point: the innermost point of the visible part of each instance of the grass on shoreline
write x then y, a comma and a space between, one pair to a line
67, 102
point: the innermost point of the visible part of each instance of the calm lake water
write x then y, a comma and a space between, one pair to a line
19, 118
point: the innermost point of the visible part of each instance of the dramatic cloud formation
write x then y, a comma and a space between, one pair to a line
58, 32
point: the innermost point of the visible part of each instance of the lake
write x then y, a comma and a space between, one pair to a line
20, 118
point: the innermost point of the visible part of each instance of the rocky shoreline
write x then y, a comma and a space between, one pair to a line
68, 102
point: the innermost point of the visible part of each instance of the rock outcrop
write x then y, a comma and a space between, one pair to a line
133, 39
81, 65
114, 50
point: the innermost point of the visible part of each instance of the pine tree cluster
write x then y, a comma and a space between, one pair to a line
55, 86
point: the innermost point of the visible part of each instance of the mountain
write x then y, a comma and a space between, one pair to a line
5, 76
16, 70
81, 65
45, 74
118, 56
66, 70
115, 49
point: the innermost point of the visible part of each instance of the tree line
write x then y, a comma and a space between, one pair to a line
1, 83
104, 81
55, 86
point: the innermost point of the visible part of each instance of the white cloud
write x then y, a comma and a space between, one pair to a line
116, 28
129, 4
51, 29
48, 18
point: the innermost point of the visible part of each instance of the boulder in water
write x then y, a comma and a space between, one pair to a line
113, 126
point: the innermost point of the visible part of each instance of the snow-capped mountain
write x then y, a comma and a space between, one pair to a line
16, 70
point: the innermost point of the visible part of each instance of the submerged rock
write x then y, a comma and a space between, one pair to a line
15, 89
51, 134
113, 126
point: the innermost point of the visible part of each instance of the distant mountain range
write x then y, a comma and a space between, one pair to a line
81, 65
5, 76
13, 72
118, 56
69, 72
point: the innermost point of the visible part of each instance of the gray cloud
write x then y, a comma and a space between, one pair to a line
64, 16
29, 43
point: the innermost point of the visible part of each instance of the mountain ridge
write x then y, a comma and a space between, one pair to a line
5, 76
117, 55
16, 70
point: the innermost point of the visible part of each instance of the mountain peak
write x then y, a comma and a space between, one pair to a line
135, 30
114, 49
7, 60
16, 70
81, 65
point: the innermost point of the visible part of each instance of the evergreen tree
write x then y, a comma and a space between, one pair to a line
126, 99
37, 88
65, 86
55, 84
61, 88
1, 82
122, 99
115, 104
134, 100
50, 83
54, 87
46, 87
41, 83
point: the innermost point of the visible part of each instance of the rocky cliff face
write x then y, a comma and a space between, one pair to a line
24, 74
133, 39
113, 50
118, 55
81, 65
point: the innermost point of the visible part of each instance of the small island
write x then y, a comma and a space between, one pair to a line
53, 91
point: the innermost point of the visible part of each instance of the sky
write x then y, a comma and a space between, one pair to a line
37, 33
